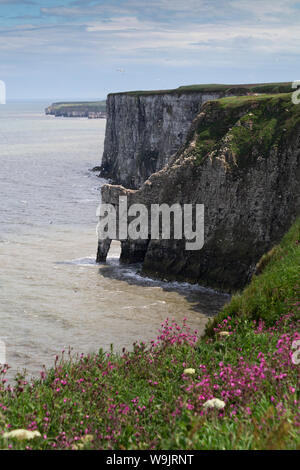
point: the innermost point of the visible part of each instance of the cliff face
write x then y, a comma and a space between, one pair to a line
242, 161
143, 131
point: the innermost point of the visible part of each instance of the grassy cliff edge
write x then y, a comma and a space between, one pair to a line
280, 87
274, 287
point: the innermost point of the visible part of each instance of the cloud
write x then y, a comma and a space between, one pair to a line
129, 24
61, 11
135, 34
17, 2
132, 34
128, 38
206, 11
267, 8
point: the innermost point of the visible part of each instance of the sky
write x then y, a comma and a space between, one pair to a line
82, 49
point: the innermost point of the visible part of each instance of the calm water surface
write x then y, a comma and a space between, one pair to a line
52, 294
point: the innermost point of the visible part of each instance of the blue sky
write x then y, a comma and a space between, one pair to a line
56, 49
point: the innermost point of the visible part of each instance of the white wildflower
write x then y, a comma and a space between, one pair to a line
21, 434
189, 371
214, 403
224, 333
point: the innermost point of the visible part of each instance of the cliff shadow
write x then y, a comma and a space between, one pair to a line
202, 300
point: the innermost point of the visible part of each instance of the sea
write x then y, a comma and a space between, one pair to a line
53, 295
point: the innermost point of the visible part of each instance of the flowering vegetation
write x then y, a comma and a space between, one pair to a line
243, 394
236, 388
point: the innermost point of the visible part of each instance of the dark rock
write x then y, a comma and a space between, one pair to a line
249, 182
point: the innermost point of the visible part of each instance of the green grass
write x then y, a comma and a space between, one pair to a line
271, 292
238, 101
253, 125
283, 87
142, 400
77, 106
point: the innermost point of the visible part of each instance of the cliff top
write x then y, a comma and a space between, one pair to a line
268, 117
78, 105
281, 87
248, 122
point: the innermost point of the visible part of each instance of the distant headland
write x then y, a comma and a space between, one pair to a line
89, 109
